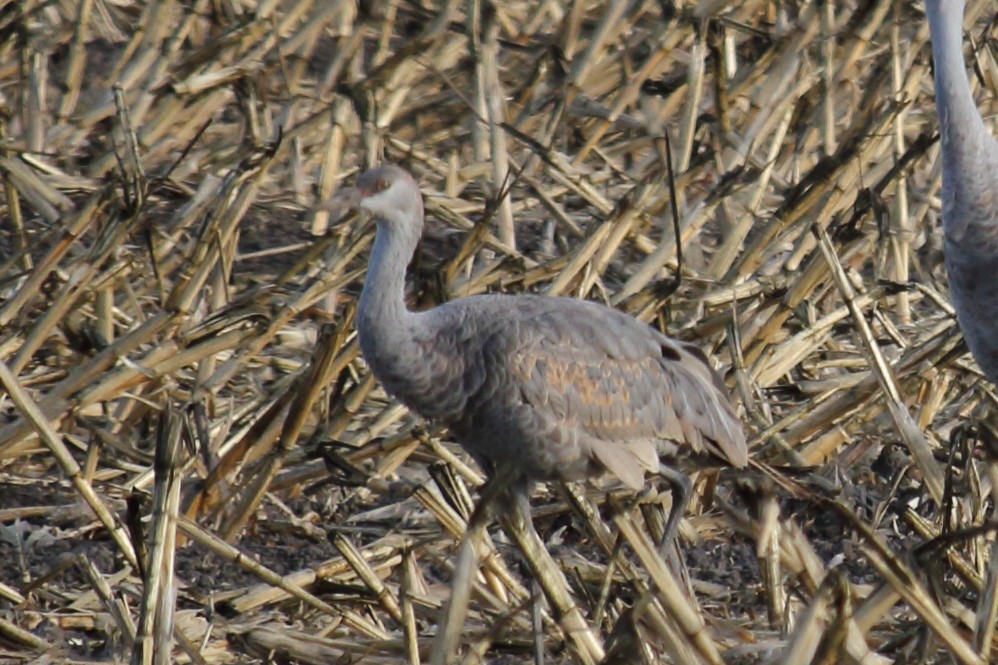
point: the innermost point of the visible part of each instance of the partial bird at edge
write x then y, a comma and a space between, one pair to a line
969, 189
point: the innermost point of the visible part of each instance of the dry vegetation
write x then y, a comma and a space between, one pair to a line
160, 291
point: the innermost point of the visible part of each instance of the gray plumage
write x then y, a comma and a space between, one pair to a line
969, 189
535, 387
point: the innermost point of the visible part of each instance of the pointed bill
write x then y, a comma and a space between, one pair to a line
343, 202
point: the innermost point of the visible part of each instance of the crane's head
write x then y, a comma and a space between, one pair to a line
388, 192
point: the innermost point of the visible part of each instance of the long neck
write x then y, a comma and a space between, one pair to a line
953, 98
968, 150
383, 322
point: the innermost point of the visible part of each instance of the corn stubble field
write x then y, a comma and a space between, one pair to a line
165, 287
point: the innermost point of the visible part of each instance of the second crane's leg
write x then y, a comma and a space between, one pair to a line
681, 491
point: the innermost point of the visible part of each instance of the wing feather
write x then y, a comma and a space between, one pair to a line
567, 388
621, 384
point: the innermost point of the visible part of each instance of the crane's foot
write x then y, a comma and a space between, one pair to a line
982, 430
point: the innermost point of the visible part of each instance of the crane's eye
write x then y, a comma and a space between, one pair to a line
382, 184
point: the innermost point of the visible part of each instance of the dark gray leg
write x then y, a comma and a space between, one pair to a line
517, 500
518, 524
681, 491
466, 567
537, 622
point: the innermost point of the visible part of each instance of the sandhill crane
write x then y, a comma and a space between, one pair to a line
534, 387
969, 189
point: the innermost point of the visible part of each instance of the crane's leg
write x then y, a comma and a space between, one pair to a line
520, 495
537, 622
451, 624
517, 523
681, 491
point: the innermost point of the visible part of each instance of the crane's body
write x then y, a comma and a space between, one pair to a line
536, 387
563, 388
969, 189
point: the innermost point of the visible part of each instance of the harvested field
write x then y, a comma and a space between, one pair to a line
182, 396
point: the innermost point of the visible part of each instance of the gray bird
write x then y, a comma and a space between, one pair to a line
969, 189
536, 387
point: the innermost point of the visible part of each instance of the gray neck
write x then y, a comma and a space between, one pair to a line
383, 322
961, 127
